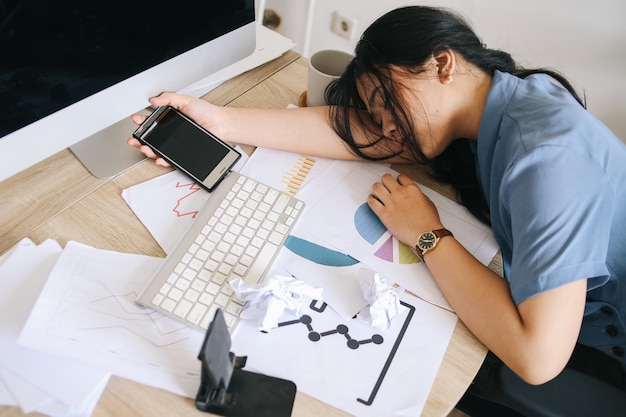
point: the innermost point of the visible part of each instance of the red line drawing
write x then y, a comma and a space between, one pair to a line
194, 188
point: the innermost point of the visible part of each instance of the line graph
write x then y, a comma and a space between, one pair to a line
193, 188
87, 311
98, 313
120, 311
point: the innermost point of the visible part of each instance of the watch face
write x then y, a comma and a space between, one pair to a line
426, 241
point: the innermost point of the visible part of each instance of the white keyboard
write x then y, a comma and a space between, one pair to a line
238, 235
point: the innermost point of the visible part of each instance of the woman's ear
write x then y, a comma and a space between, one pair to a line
446, 65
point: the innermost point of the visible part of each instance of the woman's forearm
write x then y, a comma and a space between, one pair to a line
302, 130
534, 341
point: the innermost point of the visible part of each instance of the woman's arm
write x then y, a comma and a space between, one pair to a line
303, 130
535, 339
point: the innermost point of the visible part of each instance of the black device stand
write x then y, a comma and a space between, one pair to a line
227, 390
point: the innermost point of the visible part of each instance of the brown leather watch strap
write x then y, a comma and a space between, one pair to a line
442, 232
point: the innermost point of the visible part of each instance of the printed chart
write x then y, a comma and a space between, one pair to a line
317, 253
294, 179
386, 246
348, 364
180, 208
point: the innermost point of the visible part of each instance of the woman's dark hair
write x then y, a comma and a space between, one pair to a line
407, 38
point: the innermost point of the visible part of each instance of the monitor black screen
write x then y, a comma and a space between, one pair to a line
55, 53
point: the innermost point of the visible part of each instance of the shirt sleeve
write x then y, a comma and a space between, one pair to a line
559, 207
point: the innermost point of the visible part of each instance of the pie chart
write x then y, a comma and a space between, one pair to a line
318, 254
373, 231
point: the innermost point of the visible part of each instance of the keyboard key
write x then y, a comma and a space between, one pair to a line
165, 289
249, 185
208, 317
230, 319
168, 304
212, 288
218, 279
192, 296
206, 298
276, 238
228, 290
175, 294
261, 263
189, 274
240, 270
182, 284
183, 308
281, 203
196, 313
204, 275
198, 285
234, 309
158, 299
221, 300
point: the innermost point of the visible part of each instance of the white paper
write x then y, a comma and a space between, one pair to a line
35, 379
167, 205
27, 396
87, 312
286, 171
5, 396
353, 228
321, 353
59, 409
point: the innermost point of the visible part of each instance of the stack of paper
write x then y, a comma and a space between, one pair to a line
33, 380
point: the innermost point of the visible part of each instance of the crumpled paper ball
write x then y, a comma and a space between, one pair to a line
270, 299
383, 300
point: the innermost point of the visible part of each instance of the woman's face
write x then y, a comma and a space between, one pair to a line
424, 105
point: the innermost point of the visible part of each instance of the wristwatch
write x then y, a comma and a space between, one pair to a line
427, 241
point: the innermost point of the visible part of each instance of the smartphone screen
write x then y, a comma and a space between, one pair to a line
187, 146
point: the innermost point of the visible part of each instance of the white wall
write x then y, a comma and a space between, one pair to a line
583, 39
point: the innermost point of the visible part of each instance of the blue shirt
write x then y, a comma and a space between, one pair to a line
555, 182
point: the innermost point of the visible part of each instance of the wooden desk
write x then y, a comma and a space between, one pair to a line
58, 198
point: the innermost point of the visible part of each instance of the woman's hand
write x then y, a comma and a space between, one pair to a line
403, 208
200, 111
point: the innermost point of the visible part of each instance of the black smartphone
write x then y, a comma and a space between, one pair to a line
187, 146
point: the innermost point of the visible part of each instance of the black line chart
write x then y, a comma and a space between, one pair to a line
383, 372
342, 329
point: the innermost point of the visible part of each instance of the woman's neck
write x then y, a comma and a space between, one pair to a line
473, 87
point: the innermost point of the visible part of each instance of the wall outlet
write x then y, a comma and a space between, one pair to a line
343, 26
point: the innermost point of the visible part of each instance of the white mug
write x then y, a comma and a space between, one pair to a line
324, 67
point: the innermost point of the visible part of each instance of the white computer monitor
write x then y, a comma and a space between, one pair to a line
72, 73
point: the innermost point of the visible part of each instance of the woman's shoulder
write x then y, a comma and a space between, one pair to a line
545, 113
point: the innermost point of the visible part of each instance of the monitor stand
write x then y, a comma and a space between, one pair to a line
105, 153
